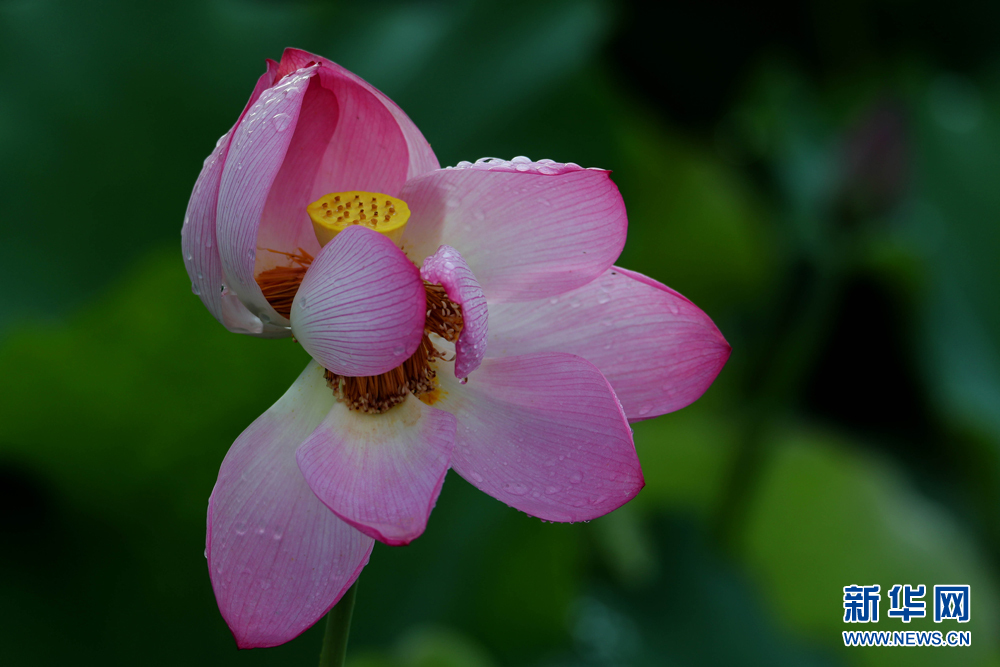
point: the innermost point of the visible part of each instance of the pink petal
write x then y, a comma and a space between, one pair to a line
339, 137
380, 473
527, 234
658, 350
360, 308
278, 558
543, 433
201, 248
346, 140
421, 157
447, 268
260, 142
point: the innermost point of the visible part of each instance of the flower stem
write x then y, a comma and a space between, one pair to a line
338, 627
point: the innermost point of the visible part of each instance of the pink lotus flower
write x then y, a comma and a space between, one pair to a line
516, 355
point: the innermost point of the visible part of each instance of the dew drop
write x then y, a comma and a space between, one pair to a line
281, 121
241, 529
554, 300
576, 478
476, 477
603, 297
646, 409
195, 290
515, 488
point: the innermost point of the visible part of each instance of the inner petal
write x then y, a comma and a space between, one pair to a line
379, 393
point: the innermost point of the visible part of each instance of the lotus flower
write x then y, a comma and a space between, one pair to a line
516, 354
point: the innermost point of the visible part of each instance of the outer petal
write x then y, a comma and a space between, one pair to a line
278, 558
199, 243
545, 434
346, 140
421, 157
658, 350
447, 268
380, 473
527, 234
258, 150
328, 133
360, 308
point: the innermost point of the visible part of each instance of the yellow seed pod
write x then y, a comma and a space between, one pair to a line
335, 212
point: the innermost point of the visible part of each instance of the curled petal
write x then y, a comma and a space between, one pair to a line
659, 351
527, 234
447, 268
345, 140
543, 433
277, 557
360, 308
421, 158
259, 145
200, 245
380, 473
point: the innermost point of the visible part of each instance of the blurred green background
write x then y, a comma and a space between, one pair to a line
822, 179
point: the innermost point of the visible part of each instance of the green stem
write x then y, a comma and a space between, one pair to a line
338, 627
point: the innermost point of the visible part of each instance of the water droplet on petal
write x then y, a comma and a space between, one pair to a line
194, 288
576, 478
281, 121
241, 528
646, 409
603, 297
476, 477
